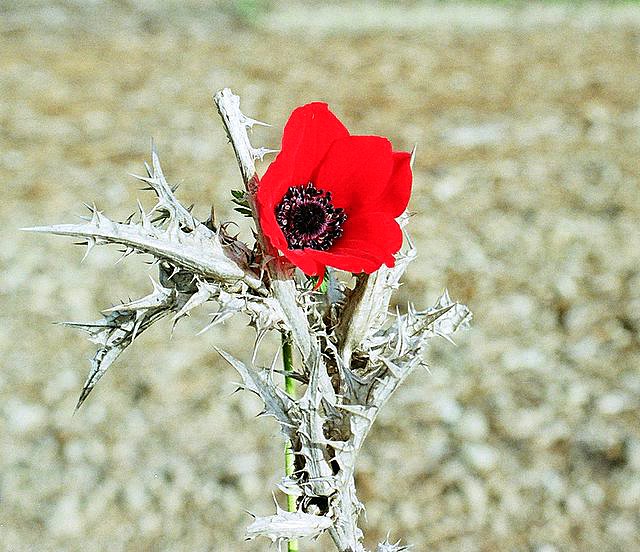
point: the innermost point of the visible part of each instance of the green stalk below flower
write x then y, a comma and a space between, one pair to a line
289, 456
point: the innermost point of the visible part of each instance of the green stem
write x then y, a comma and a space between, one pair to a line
289, 457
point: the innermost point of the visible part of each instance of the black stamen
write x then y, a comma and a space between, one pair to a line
308, 219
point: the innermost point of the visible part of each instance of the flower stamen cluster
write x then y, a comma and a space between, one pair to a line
308, 218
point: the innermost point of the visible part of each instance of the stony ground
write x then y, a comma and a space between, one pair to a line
525, 437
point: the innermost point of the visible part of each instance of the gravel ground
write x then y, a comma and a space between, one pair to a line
525, 437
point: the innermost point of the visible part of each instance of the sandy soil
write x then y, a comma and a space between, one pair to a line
525, 437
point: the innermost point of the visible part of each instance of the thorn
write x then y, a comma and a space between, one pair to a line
447, 338
148, 179
274, 362
95, 215
256, 345
128, 251
91, 242
278, 509
173, 272
83, 395
259, 153
157, 288
249, 122
237, 389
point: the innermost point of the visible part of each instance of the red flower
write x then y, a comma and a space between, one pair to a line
330, 198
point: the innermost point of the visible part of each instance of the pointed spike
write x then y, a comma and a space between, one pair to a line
155, 162
157, 288
83, 397
91, 242
259, 153
206, 328
250, 123
148, 179
274, 362
128, 251
278, 509
445, 336
433, 316
173, 272
259, 337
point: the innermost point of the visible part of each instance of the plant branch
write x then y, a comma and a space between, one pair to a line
289, 456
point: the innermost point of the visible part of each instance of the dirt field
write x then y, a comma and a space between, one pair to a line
525, 437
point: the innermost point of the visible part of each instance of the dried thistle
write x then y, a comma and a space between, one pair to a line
354, 353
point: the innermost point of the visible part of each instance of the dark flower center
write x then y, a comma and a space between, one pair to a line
308, 218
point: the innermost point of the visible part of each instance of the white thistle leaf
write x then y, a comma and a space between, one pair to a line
276, 402
191, 251
205, 291
118, 329
159, 298
288, 525
166, 199
458, 317
290, 487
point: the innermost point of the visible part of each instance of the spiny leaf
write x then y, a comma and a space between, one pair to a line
118, 329
288, 525
276, 402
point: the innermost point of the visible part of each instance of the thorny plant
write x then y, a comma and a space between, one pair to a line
353, 352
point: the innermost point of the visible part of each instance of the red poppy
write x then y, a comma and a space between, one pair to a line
330, 198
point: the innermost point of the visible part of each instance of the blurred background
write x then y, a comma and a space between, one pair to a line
524, 437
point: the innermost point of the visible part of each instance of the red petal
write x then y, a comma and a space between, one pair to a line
307, 136
349, 259
395, 197
270, 227
378, 229
355, 169
304, 261
369, 240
